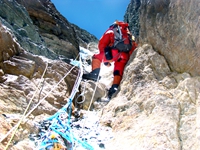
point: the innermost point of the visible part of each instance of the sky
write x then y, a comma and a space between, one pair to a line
95, 16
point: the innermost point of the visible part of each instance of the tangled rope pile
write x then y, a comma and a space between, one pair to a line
58, 134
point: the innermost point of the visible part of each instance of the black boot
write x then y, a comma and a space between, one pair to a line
92, 75
112, 90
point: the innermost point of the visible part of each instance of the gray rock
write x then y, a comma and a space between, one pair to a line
172, 28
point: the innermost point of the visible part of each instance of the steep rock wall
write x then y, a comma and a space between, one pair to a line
25, 78
157, 106
42, 30
16, 18
55, 30
172, 28
132, 17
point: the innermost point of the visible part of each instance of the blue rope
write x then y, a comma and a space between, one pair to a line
59, 125
62, 127
68, 137
47, 143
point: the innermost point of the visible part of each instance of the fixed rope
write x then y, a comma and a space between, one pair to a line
25, 116
60, 125
14, 129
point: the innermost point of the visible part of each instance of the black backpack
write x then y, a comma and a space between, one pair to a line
119, 40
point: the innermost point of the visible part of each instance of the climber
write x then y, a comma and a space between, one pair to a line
116, 45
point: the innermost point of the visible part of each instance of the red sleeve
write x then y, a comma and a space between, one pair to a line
134, 46
106, 40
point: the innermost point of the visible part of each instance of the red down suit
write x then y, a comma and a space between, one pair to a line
119, 58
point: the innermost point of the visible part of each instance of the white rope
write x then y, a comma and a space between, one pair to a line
50, 91
84, 122
16, 127
77, 83
95, 86
39, 103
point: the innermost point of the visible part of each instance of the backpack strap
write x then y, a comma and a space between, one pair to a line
120, 32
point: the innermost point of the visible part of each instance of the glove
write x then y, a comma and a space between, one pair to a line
108, 53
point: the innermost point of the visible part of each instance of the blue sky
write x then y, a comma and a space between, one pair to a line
95, 16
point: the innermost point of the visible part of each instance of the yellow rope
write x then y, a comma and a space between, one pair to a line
16, 126
23, 116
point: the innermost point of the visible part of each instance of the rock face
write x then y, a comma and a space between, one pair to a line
172, 28
132, 17
16, 18
55, 30
155, 108
42, 30
84, 37
26, 81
